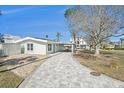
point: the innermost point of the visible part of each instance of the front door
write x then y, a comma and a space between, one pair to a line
22, 50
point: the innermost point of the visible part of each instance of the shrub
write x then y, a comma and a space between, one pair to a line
114, 48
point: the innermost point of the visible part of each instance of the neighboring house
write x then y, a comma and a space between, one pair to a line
122, 42
109, 45
9, 47
80, 43
113, 45
118, 44
10, 38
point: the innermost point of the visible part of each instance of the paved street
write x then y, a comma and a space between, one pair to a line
62, 71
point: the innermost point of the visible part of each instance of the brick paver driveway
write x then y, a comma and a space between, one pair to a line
63, 71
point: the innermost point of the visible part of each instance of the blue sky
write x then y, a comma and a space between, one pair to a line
35, 21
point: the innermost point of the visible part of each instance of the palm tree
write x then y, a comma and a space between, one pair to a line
58, 35
46, 36
1, 38
68, 14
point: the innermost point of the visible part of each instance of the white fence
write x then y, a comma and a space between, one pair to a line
10, 49
1, 52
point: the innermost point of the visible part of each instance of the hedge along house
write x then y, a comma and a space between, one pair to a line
31, 45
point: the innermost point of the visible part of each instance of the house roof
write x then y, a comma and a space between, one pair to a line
43, 38
30, 38
7, 36
36, 39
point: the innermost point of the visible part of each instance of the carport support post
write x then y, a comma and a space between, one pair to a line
72, 48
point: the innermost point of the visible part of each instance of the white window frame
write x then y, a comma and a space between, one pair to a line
30, 47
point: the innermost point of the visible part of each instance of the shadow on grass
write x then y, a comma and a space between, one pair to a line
30, 60
16, 61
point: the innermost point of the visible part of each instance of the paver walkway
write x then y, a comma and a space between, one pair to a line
63, 71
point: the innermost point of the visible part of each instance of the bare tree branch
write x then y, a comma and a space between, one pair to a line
98, 22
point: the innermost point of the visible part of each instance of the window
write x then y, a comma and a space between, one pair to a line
30, 47
77, 42
49, 47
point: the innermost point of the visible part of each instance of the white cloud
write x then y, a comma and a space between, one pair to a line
16, 10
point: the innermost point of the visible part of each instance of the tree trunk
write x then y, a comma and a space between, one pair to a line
97, 50
72, 48
90, 48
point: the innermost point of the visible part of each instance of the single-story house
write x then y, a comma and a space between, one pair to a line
31, 45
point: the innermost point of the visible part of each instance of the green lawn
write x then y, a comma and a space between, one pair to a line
102, 64
9, 80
